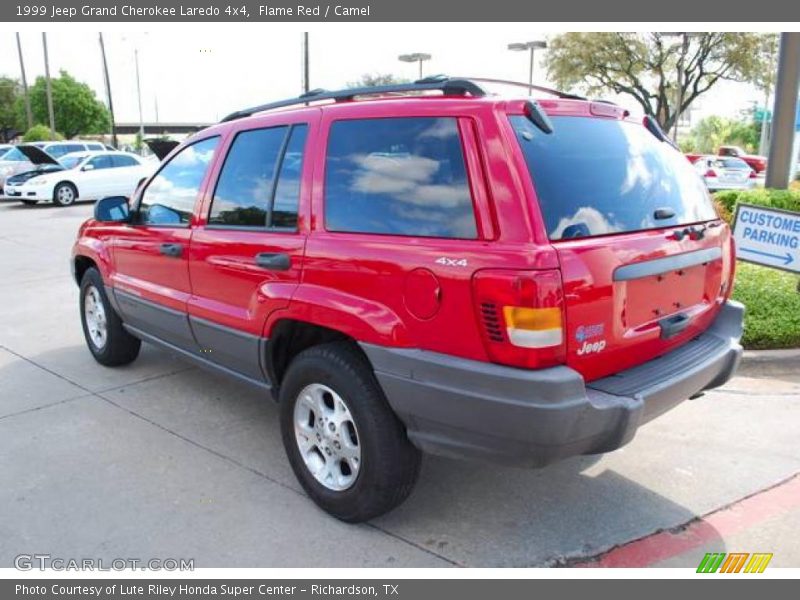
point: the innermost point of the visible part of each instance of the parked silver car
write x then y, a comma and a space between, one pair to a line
725, 173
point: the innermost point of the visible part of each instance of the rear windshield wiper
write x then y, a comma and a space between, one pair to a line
538, 117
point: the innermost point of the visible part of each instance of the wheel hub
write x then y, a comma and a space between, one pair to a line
327, 437
95, 315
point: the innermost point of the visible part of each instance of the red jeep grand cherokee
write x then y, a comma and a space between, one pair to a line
455, 273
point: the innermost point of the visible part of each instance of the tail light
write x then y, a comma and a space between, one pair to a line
522, 316
710, 173
753, 175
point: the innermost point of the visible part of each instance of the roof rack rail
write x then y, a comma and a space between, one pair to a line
538, 88
447, 85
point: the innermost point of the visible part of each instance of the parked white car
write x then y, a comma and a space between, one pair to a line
725, 173
86, 176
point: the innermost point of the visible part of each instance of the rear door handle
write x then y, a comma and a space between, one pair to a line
173, 250
672, 326
275, 261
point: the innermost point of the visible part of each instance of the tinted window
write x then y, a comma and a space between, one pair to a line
287, 192
58, 150
95, 146
244, 189
597, 176
101, 162
120, 160
169, 198
402, 176
733, 163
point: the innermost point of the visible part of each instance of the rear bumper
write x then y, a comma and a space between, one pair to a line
468, 409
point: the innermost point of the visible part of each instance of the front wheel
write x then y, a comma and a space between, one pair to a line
65, 194
107, 339
346, 446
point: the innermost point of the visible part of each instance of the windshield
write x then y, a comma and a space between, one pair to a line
72, 161
14, 155
732, 163
597, 176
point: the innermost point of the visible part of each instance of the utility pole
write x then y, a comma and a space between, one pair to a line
28, 112
306, 84
139, 96
785, 113
107, 81
49, 88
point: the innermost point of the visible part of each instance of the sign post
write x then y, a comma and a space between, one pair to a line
768, 237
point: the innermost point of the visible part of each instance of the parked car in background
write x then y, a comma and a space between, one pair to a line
40, 161
725, 173
757, 163
4, 148
85, 176
20, 162
13, 161
466, 275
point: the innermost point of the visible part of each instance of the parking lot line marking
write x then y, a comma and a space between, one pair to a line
720, 523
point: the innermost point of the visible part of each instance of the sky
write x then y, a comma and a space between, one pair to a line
201, 72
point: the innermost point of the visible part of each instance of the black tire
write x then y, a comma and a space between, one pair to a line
389, 464
30, 202
60, 199
120, 347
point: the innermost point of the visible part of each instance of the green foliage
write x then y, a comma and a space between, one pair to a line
9, 96
645, 66
75, 106
40, 133
782, 199
712, 132
373, 79
772, 316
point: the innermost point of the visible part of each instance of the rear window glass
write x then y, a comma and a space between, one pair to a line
600, 176
732, 163
398, 176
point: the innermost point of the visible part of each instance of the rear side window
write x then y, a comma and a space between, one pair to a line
399, 176
598, 176
260, 180
169, 198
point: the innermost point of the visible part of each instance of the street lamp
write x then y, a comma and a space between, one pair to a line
532, 47
417, 57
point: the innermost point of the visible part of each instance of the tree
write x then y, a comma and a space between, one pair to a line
75, 106
9, 96
712, 132
373, 79
645, 66
40, 133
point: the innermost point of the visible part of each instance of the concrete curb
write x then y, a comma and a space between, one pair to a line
760, 357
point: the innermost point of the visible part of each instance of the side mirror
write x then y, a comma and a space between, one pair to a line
87, 168
113, 209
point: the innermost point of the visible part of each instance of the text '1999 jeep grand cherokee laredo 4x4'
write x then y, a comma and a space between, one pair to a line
512, 280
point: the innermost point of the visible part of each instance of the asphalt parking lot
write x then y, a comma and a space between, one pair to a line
159, 459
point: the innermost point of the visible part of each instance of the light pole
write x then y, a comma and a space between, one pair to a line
531, 47
685, 37
107, 81
306, 82
28, 112
49, 88
417, 57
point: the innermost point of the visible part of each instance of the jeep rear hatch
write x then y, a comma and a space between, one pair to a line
645, 261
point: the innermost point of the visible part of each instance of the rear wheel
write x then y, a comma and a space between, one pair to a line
107, 339
346, 446
65, 194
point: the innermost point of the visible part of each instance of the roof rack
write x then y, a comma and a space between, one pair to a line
448, 86
538, 88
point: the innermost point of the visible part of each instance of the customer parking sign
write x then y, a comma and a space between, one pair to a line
768, 236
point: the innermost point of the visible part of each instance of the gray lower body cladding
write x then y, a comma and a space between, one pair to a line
469, 409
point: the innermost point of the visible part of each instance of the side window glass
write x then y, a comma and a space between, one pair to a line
120, 160
398, 176
245, 186
170, 197
101, 162
287, 193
